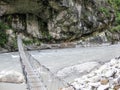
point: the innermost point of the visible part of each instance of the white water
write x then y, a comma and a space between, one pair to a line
58, 60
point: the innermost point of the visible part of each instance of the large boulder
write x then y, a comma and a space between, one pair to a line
11, 77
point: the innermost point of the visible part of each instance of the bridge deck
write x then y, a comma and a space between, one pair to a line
32, 79
38, 76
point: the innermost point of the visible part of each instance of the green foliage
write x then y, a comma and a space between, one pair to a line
116, 28
3, 36
104, 10
31, 41
118, 17
4, 26
49, 37
115, 3
15, 43
116, 6
28, 42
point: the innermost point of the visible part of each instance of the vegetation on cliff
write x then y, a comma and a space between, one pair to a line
116, 5
56, 21
3, 35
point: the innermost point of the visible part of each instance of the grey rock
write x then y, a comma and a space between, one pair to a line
57, 20
11, 77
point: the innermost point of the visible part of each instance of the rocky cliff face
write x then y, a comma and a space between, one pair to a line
54, 21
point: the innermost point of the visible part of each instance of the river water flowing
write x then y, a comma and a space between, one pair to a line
62, 62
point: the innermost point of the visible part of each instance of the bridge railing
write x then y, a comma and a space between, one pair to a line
31, 76
46, 79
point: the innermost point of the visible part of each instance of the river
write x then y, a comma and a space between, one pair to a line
60, 60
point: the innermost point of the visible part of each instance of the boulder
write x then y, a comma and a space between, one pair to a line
11, 77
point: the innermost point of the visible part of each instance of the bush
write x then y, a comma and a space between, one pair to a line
116, 6
105, 11
115, 3
3, 36
115, 28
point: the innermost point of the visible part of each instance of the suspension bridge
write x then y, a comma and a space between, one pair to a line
38, 76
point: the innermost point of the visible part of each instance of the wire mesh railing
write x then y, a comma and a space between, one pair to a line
47, 79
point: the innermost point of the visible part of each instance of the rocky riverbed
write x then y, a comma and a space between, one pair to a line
107, 77
63, 62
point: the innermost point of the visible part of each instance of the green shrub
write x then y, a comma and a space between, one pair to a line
116, 6
118, 18
31, 41
3, 36
28, 42
115, 28
104, 10
115, 3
